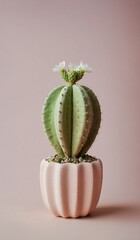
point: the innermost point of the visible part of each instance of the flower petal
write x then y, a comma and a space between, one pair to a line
59, 67
84, 67
72, 67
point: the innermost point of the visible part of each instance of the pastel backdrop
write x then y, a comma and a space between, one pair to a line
35, 36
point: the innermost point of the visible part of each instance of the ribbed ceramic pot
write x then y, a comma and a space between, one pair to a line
71, 190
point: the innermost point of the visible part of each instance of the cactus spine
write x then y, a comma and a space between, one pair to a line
71, 117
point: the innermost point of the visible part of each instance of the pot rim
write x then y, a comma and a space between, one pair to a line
97, 161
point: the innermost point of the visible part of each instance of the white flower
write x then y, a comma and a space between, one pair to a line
59, 67
72, 67
84, 67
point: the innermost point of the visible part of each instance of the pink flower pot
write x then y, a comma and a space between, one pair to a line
71, 190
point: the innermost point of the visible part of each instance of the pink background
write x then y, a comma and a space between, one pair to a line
36, 35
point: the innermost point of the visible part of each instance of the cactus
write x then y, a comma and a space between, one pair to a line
71, 114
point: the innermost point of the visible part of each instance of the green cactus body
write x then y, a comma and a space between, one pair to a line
71, 119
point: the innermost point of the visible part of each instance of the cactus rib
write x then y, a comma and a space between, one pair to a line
96, 121
82, 119
48, 119
63, 115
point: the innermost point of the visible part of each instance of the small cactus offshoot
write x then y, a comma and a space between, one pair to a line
71, 114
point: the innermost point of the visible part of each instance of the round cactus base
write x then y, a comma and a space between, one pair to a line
71, 190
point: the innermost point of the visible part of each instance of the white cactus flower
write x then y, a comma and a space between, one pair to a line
59, 67
73, 67
84, 67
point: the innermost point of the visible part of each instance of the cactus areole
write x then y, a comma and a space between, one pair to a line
71, 113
